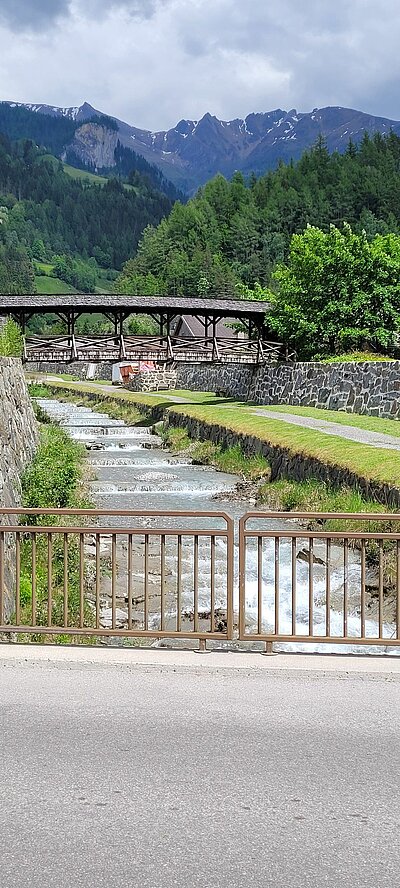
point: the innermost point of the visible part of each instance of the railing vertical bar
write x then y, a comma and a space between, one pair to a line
65, 579
380, 588
162, 581
81, 579
130, 572
114, 580
242, 578
17, 579
230, 555
398, 591
328, 589
294, 584
196, 583
276, 579
311, 589
146, 581
363, 573
98, 580
49, 579
345, 585
212, 584
260, 583
179, 587
2, 620
34, 602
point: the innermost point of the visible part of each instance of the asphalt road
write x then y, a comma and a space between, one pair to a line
117, 778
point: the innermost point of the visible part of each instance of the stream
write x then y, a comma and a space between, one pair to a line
129, 469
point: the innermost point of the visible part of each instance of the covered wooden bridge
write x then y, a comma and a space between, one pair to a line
252, 345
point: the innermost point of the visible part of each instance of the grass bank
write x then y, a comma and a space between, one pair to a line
54, 480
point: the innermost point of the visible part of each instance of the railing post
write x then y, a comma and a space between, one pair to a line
230, 552
242, 577
74, 351
122, 349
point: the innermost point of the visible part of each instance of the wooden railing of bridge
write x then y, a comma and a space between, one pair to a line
160, 349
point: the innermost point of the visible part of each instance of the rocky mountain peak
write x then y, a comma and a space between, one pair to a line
193, 151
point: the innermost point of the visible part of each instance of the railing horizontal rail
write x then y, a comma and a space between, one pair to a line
109, 531
153, 574
321, 535
324, 585
163, 348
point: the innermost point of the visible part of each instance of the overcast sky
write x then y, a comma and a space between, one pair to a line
152, 62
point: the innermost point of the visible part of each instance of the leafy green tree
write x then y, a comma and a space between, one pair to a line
39, 250
338, 291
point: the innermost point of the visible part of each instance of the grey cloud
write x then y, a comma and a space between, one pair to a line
152, 62
141, 9
21, 14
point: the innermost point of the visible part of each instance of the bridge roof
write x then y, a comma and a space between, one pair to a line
96, 302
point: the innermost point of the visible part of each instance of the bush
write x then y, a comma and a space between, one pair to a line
11, 340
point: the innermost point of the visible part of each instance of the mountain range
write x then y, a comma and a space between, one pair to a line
193, 151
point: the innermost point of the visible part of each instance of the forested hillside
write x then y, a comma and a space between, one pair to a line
57, 222
232, 234
64, 136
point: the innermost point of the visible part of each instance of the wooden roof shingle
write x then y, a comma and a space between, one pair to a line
97, 302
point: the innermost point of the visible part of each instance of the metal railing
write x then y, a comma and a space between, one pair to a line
99, 573
116, 573
321, 586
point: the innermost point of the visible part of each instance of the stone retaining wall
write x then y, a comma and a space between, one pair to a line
284, 463
78, 369
18, 443
372, 388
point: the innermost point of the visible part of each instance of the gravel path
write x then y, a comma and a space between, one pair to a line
360, 436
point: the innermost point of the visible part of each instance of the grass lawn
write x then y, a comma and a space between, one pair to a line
49, 286
104, 285
84, 175
90, 178
43, 267
372, 463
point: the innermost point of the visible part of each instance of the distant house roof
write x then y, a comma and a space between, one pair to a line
189, 325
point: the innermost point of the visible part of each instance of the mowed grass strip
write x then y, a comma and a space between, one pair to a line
372, 463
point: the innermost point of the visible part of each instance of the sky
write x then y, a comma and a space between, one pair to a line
153, 62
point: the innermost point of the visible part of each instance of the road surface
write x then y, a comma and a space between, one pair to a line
160, 775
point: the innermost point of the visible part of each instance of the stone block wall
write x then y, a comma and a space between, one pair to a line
153, 381
233, 380
18, 443
79, 369
372, 387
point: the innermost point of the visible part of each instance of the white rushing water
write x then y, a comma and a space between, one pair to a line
146, 477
